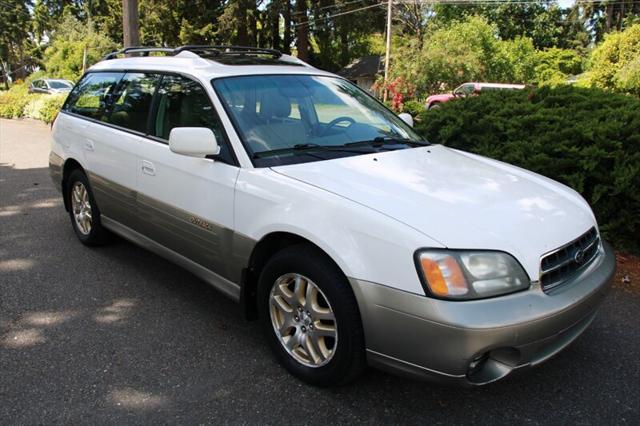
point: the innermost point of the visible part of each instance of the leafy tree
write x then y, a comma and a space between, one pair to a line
555, 66
517, 61
176, 22
14, 30
464, 51
64, 56
614, 63
47, 15
536, 20
605, 16
337, 38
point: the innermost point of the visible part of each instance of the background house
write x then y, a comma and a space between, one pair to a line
364, 71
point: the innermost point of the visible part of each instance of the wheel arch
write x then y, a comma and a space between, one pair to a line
265, 248
70, 165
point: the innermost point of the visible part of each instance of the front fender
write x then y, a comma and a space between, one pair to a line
364, 243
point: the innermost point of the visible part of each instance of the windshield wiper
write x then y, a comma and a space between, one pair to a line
381, 141
306, 148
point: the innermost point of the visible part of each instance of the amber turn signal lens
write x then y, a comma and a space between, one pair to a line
444, 276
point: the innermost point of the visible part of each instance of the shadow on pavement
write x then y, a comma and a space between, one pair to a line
117, 334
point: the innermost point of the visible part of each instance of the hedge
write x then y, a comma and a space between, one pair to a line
18, 103
587, 139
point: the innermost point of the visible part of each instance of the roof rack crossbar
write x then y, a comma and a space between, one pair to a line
138, 49
223, 49
215, 50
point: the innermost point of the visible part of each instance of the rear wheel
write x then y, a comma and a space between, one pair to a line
310, 317
83, 210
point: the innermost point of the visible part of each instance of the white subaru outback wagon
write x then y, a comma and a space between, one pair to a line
326, 216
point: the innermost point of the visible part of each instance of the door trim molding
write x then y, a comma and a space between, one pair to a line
228, 288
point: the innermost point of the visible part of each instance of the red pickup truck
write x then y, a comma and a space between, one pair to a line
468, 89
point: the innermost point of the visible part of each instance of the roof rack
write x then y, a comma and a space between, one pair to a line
198, 50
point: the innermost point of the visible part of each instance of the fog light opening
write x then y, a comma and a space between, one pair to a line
477, 363
491, 366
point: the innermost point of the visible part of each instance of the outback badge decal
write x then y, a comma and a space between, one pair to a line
201, 223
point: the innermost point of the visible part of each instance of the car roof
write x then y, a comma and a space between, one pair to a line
187, 62
499, 85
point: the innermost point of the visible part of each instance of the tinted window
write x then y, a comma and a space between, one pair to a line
59, 85
92, 95
184, 103
132, 101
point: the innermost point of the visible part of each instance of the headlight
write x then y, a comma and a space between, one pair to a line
465, 275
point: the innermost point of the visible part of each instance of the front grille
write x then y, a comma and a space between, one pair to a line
559, 265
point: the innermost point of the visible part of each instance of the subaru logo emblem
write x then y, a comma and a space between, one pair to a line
579, 256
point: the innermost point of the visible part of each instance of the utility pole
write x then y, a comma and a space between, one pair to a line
387, 56
130, 23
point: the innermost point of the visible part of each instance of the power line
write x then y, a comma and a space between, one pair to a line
331, 6
307, 22
513, 2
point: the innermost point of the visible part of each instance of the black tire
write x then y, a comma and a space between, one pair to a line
97, 235
348, 360
435, 106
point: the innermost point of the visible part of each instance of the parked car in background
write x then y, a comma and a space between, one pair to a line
467, 89
50, 86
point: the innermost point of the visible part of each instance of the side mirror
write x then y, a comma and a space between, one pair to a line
407, 118
193, 141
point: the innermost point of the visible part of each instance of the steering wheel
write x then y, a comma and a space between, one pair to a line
337, 120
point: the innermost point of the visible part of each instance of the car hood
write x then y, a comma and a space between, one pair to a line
460, 200
440, 98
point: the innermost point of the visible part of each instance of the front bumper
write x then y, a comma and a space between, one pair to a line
439, 340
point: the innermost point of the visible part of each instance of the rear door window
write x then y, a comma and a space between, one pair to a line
93, 94
132, 101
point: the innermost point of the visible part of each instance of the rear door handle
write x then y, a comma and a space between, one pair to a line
148, 168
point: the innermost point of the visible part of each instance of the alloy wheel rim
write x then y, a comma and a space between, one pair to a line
303, 320
81, 208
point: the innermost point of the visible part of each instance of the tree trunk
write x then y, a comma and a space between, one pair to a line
5, 75
286, 41
275, 24
242, 38
302, 41
621, 12
130, 23
252, 24
609, 13
344, 46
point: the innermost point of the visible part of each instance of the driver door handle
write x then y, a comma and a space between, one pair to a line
148, 168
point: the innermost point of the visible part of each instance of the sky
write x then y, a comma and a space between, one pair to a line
566, 3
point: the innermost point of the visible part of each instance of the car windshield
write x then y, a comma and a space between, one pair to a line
59, 84
285, 119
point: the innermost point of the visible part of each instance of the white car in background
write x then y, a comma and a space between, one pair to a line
322, 213
50, 86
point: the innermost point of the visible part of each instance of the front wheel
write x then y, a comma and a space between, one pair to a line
310, 317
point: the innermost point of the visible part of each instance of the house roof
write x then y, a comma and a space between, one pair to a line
367, 66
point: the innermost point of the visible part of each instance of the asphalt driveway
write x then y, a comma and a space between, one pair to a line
117, 334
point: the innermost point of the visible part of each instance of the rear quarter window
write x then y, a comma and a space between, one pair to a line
92, 95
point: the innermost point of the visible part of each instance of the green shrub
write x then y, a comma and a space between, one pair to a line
13, 101
615, 63
51, 107
17, 103
415, 108
588, 139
